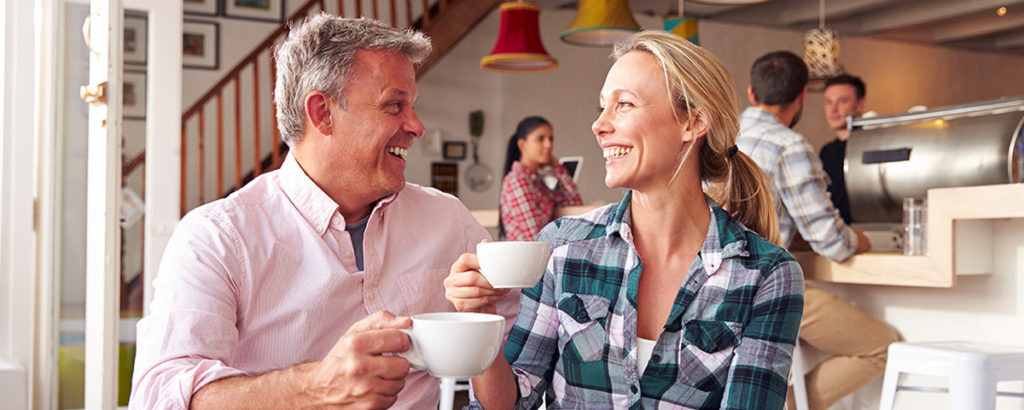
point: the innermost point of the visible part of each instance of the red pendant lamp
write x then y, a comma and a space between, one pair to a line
519, 48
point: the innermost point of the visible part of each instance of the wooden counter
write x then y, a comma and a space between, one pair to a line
957, 243
953, 249
489, 217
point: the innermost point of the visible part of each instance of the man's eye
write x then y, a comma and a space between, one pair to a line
625, 104
393, 107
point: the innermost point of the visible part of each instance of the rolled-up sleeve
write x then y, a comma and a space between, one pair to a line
190, 333
804, 194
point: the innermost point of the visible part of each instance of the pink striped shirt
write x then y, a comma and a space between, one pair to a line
266, 279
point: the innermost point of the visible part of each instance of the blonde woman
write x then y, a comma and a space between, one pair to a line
665, 299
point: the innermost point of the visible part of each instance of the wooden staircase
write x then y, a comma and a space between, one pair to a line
230, 136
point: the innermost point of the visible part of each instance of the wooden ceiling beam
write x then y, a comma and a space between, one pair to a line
1010, 40
977, 27
926, 11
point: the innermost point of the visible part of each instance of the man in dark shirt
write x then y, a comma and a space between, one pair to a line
844, 96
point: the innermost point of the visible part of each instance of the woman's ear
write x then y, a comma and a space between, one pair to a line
318, 112
519, 143
696, 125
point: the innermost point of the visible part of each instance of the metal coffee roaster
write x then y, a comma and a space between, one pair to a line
902, 156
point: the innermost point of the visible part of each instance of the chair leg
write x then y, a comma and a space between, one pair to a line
972, 391
447, 394
889, 385
799, 376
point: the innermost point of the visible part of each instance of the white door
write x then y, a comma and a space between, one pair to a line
103, 236
93, 142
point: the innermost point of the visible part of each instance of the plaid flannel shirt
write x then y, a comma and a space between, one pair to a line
727, 343
527, 204
801, 194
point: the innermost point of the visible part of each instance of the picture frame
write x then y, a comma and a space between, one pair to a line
200, 45
133, 91
135, 39
262, 10
201, 7
454, 150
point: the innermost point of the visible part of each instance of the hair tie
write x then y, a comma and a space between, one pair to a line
733, 151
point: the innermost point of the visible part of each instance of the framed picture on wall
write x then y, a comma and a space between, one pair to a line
133, 91
264, 10
200, 44
134, 39
454, 150
201, 7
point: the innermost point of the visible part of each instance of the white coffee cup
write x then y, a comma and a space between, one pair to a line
454, 344
512, 264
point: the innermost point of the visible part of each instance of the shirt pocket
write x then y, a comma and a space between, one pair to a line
424, 294
709, 348
582, 320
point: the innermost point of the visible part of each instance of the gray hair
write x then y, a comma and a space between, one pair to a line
318, 56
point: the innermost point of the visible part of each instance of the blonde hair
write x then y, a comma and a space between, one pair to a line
699, 85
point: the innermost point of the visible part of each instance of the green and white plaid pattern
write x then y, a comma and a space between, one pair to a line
727, 343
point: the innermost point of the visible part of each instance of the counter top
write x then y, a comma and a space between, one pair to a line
952, 250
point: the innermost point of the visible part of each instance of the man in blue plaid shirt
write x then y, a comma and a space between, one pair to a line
858, 341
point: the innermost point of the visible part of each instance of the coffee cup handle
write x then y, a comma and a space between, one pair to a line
413, 355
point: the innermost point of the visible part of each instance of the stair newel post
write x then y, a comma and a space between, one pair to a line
220, 143
341, 8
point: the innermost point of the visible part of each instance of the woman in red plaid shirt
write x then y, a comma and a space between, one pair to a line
535, 183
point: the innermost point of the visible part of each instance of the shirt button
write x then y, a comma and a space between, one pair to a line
348, 254
633, 388
656, 358
336, 220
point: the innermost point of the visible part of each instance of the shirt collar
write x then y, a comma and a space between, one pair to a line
759, 114
725, 237
311, 201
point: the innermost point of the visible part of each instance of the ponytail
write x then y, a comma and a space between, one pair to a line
746, 194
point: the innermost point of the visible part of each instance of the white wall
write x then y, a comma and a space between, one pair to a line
898, 75
17, 264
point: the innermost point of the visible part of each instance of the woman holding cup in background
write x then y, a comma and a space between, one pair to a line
527, 203
663, 299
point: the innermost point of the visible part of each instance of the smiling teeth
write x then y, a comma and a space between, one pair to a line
616, 152
398, 151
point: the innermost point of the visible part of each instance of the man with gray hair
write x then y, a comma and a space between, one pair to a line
285, 294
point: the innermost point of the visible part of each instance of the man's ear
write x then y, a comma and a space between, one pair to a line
750, 95
803, 96
318, 112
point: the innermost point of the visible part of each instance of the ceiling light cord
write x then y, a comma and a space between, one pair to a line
821, 14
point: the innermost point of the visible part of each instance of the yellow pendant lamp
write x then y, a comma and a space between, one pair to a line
518, 48
600, 23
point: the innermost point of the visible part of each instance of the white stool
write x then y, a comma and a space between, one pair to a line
973, 368
798, 376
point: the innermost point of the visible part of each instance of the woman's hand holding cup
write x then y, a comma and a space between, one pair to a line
468, 289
